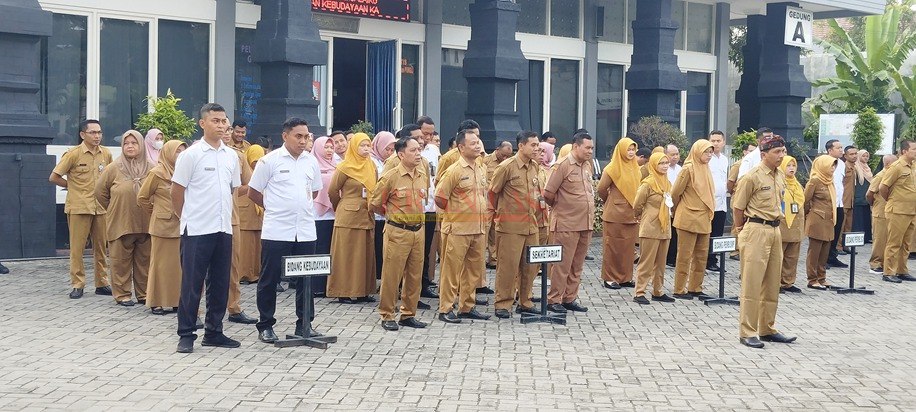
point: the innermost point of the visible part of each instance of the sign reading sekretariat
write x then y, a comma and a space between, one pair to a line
378, 9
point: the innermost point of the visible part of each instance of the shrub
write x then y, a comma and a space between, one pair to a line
738, 140
866, 133
363, 126
652, 131
167, 117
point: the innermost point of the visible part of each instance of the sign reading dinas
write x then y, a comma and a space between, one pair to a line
378, 9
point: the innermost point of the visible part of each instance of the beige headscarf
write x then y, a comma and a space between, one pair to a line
863, 170
137, 168
702, 176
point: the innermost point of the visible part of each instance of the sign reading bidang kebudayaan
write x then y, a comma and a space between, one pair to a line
377, 9
799, 28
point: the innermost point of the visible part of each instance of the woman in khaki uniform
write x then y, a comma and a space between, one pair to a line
694, 204
652, 205
820, 210
352, 277
617, 189
128, 225
164, 284
791, 226
250, 220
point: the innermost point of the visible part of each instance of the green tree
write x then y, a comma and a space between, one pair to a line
167, 117
738, 140
855, 26
653, 131
866, 133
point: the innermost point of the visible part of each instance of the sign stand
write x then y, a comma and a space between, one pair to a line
852, 240
543, 254
304, 268
721, 246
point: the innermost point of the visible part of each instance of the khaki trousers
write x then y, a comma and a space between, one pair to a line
235, 291
566, 275
81, 227
878, 242
512, 273
402, 267
761, 263
164, 283
130, 258
900, 230
790, 251
690, 266
462, 267
847, 226
618, 246
816, 261
652, 256
250, 255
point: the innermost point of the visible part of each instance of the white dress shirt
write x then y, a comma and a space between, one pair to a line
287, 184
718, 165
379, 165
838, 175
209, 176
431, 154
673, 170
749, 161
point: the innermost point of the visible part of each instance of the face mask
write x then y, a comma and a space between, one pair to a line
158, 144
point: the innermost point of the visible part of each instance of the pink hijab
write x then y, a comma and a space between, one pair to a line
379, 143
327, 167
152, 153
547, 157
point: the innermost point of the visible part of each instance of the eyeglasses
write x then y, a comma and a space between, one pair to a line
94, 132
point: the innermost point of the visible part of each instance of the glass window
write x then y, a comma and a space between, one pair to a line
123, 76
700, 19
184, 63
609, 115
697, 105
247, 80
631, 16
564, 18
564, 98
319, 92
615, 29
415, 12
530, 98
533, 17
454, 93
677, 14
63, 77
456, 12
410, 83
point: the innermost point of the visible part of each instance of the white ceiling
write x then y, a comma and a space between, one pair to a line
740, 9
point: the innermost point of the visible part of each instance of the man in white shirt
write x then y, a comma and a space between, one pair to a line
835, 149
205, 177
284, 183
674, 156
431, 153
339, 139
753, 157
718, 165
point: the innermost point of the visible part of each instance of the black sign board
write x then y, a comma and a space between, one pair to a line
377, 9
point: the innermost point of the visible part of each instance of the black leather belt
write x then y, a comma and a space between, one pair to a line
774, 223
412, 228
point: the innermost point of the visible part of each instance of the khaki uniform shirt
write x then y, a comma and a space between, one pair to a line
819, 210
351, 207
245, 173
541, 213
402, 193
115, 192
797, 231
690, 213
517, 185
901, 183
759, 193
393, 162
849, 185
446, 161
491, 163
574, 202
465, 186
877, 207
82, 168
646, 206
616, 207
241, 146
156, 200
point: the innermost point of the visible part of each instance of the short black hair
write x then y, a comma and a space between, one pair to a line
425, 120
292, 122
522, 137
84, 125
580, 130
763, 130
264, 142
905, 144
435, 132
829, 144
718, 132
747, 146
467, 124
459, 139
451, 142
239, 123
335, 133
643, 152
846, 149
401, 144
578, 138
210, 107
546, 135
406, 130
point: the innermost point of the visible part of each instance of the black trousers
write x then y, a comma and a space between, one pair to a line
430, 227
837, 227
379, 239
324, 229
671, 259
272, 253
861, 221
718, 229
204, 258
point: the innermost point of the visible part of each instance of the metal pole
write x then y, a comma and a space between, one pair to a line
543, 289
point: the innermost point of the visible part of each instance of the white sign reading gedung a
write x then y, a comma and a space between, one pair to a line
799, 28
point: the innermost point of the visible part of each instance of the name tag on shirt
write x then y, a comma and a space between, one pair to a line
364, 193
210, 169
284, 171
765, 188
465, 177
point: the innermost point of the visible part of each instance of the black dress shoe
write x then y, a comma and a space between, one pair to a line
588, 257
76, 293
735, 257
473, 314
907, 277
268, 336
842, 252
778, 338
556, 308
312, 332
628, 284
280, 287
127, 303
485, 291
158, 311
503, 313
532, 310
220, 341
791, 289
427, 292
834, 262
480, 301
641, 300
3, 269
104, 290
610, 285
185, 344
698, 294
390, 325
663, 298
575, 307
349, 301
423, 305
412, 322
199, 324
685, 296
241, 317
892, 279
536, 299
366, 299
449, 317
712, 267
752, 342
912, 256
491, 266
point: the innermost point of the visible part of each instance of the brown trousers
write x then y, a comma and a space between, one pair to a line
164, 283
816, 261
690, 266
761, 263
847, 226
566, 275
492, 243
235, 291
81, 227
618, 246
462, 267
250, 255
402, 267
878, 242
652, 255
512, 273
790, 252
130, 258
900, 230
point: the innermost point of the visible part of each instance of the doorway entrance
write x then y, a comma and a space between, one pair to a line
349, 82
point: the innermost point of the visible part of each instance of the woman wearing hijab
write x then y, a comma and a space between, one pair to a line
324, 211
861, 210
546, 160
352, 277
164, 284
820, 213
617, 189
127, 224
251, 217
381, 150
154, 142
791, 225
694, 204
652, 205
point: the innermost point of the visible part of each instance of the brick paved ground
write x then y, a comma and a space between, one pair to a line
854, 352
